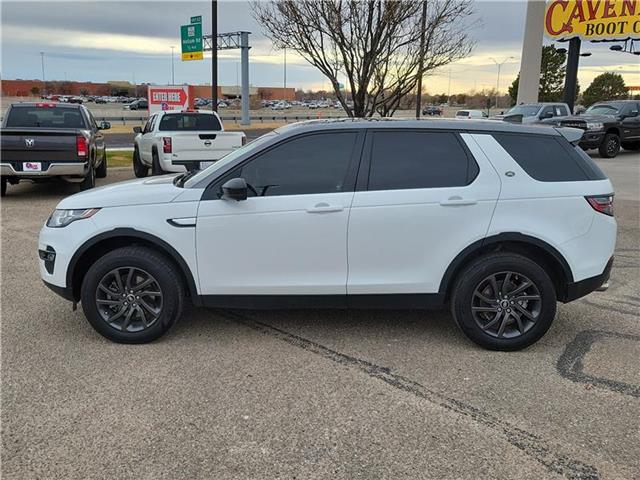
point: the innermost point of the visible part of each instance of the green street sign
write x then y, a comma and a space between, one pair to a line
197, 19
191, 41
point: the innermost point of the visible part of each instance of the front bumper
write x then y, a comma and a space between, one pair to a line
591, 140
576, 290
49, 169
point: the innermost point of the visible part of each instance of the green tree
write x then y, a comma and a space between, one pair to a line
552, 72
608, 86
35, 91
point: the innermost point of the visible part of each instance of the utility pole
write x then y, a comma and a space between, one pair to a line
449, 90
423, 24
214, 55
173, 71
285, 67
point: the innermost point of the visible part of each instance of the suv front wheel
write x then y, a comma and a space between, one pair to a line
504, 301
132, 295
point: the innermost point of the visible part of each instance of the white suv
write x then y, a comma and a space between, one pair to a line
497, 220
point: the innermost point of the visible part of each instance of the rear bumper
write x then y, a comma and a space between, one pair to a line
576, 290
50, 169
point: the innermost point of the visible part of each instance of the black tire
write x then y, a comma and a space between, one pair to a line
156, 169
101, 171
139, 169
3, 183
610, 146
89, 180
471, 313
633, 147
168, 305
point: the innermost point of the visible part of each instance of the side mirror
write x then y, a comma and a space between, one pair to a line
137, 130
105, 125
631, 114
544, 116
235, 189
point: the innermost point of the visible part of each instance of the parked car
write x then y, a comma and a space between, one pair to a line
534, 112
100, 100
470, 114
273, 224
77, 100
607, 126
175, 141
140, 104
432, 111
44, 140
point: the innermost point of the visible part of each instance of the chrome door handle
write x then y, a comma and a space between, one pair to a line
324, 208
457, 201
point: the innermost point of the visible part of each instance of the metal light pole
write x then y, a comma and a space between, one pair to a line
423, 22
173, 70
42, 62
214, 55
499, 64
285, 67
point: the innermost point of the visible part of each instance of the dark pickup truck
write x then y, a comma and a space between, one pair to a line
607, 126
43, 140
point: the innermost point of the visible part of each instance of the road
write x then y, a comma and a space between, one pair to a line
316, 394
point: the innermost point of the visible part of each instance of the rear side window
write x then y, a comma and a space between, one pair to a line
189, 122
547, 158
413, 159
45, 117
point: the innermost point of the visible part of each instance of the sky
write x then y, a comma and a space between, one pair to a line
103, 40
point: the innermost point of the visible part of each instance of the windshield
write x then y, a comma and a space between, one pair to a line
191, 122
228, 158
604, 109
524, 110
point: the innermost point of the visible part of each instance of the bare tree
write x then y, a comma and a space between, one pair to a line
374, 44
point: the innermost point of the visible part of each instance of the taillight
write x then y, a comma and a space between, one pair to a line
601, 203
166, 144
81, 146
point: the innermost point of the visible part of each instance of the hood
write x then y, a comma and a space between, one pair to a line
143, 191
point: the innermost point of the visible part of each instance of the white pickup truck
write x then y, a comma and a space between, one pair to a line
177, 141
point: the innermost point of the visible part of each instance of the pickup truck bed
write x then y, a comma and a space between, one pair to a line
44, 140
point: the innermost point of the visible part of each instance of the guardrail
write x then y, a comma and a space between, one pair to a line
232, 118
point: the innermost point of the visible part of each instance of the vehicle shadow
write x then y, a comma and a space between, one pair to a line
401, 325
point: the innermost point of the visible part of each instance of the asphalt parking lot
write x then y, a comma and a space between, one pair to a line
316, 394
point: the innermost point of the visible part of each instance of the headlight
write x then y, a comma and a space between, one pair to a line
595, 126
62, 218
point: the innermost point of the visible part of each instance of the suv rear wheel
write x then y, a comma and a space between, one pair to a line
504, 301
610, 146
132, 295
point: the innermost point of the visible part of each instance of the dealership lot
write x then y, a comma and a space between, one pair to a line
317, 394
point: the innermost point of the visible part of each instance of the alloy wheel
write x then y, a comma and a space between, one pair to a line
506, 304
613, 146
129, 299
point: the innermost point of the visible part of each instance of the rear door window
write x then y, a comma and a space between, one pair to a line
418, 159
547, 158
189, 122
